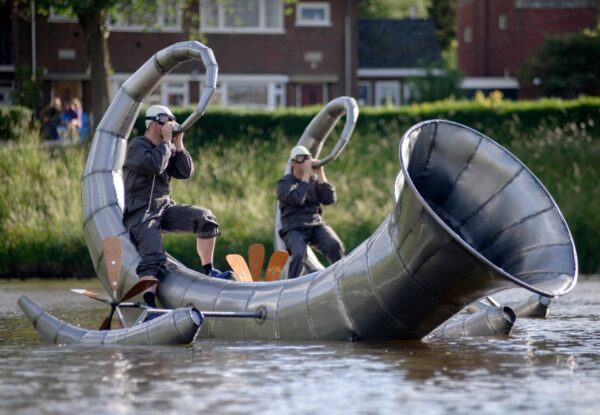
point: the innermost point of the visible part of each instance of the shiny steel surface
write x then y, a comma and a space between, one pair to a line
491, 321
177, 327
469, 220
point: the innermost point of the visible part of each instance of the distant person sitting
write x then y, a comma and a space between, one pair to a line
301, 195
72, 119
51, 120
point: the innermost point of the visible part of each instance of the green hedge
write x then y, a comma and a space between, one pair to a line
15, 123
239, 156
494, 120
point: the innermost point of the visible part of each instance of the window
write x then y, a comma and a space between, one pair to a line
364, 93
387, 93
502, 22
249, 92
172, 91
175, 93
468, 34
313, 14
5, 94
241, 16
166, 16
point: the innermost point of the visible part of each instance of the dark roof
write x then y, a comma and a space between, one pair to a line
405, 43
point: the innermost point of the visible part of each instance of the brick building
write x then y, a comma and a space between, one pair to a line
495, 37
269, 53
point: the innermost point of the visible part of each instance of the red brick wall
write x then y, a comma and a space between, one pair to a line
495, 52
235, 53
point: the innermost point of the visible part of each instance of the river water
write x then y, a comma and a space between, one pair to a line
545, 366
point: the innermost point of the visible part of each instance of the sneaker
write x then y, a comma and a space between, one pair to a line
151, 316
215, 273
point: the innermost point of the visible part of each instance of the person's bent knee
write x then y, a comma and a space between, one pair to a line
206, 225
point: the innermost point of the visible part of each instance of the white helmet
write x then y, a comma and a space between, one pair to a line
299, 151
154, 111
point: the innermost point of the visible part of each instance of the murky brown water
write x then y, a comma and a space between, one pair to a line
546, 366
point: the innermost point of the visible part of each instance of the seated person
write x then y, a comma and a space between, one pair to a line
301, 195
152, 160
72, 119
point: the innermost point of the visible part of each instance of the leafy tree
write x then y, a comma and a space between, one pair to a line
92, 17
443, 14
393, 9
565, 66
29, 91
441, 81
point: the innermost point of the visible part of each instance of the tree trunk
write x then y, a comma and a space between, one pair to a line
94, 31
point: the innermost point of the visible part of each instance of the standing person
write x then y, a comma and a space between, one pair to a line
301, 195
150, 163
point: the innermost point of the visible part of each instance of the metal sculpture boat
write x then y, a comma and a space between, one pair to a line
469, 219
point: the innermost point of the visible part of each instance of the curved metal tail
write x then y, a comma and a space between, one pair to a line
177, 327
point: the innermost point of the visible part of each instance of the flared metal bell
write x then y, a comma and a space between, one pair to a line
470, 220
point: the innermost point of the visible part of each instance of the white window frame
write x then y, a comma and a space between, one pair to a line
380, 86
502, 21
167, 89
468, 34
262, 20
368, 86
158, 26
161, 94
313, 5
276, 89
6, 91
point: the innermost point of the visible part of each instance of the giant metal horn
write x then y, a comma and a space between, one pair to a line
468, 220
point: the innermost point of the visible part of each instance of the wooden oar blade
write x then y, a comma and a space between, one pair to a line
276, 264
91, 294
142, 285
112, 260
239, 266
256, 258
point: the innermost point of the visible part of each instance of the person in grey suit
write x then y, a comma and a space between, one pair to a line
302, 195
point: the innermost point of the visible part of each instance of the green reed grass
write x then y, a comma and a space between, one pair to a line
40, 193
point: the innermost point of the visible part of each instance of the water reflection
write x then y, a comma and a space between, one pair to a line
544, 365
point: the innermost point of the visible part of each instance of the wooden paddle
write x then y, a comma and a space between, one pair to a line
112, 261
276, 264
256, 258
239, 266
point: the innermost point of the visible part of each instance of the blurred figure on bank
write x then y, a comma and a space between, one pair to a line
51, 120
72, 121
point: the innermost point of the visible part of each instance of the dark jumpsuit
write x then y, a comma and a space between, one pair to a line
300, 204
149, 209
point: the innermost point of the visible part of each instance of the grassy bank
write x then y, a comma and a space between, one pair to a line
40, 206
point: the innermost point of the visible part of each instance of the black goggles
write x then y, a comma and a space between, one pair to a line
161, 119
301, 158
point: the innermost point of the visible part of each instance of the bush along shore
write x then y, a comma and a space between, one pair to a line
239, 155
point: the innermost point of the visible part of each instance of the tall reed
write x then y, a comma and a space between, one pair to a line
40, 193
